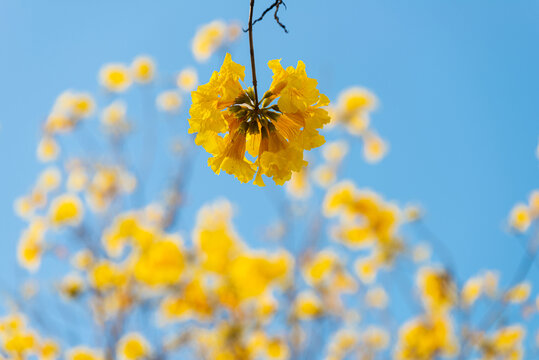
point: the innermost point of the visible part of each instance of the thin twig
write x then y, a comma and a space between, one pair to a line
252, 51
275, 5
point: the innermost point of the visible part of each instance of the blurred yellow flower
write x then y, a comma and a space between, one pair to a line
169, 101
49, 350
519, 219
425, 339
375, 338
307, 305
47, 149
471, 290
276, 348
377, 297
518, 293
298, 187
208, 39
114, 119
187, 79
66, 209
106, 275
83, 353
115, 77
374, 148
71, 286
143, 69
49, 179
31, 245
438, 291
162, 263
133, 346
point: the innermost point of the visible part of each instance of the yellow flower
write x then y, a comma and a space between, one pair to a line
66, 209
47, 149
307, 305
215, 239
366, 269
82, 105
519, 218
162, 263
49, 179
143, 69
58, 122
471, 290
49, 350
106, 275
132, 346
24, 207
83, 353
335, 151
374, 148
356, 99
114, 119
187, 79
505, 343
518, 293
353, 108
375, 338
250, 275
343, 342
19, 344
169, 101
208, 39
30, 247
71, 286
438, 291
339, 198
12, 323
277, 349
107, 183
413, 213
425, 339
298, 187
83, 259
234, 31
377, 298
274, 135
324, 175
76, 178
192, 301
115, 77
319, 268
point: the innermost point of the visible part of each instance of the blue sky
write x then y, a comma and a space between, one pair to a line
458, 83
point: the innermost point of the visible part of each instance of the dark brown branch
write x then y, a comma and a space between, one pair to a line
252, 51
275, 6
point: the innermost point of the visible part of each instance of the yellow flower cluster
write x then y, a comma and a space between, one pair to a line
213, 36
274, 136
353, 110
365, 221
21, 342
426, 338
505, 343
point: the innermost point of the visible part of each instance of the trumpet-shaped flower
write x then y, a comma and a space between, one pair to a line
235, 127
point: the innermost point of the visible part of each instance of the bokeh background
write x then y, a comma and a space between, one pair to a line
458, 83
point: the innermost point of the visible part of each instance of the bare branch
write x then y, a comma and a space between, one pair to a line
275, 6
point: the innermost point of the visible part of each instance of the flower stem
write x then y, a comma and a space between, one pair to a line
252, 51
